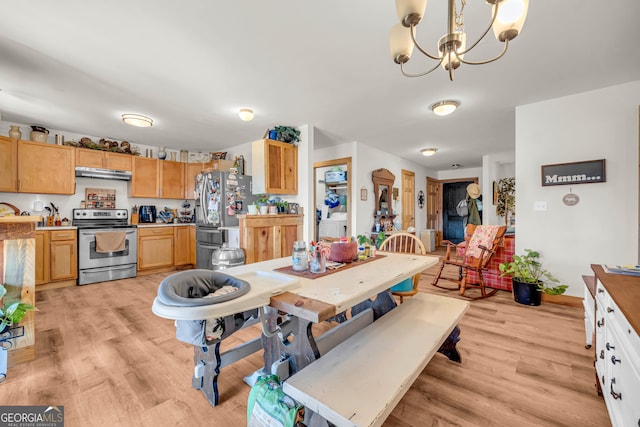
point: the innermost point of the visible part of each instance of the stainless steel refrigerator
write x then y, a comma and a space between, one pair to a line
220, 197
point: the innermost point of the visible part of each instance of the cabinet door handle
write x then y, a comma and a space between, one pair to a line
613, 393
601, 354
614, 360
609, 310
600, 290
609, 346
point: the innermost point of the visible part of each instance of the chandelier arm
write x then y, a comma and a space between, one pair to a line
415, 43
420, 74
493, 19
506, 46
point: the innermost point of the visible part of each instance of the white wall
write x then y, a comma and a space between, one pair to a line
369, 159
603, 227
495, 167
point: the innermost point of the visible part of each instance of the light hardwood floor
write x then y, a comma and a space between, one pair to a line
110, 361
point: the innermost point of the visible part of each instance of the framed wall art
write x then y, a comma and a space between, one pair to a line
573, 173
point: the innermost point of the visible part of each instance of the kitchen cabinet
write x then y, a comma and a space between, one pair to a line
46, 168
103, 159
153, 178
617, 345
155, 248
274, 167
144, 179
184, 245
56, 258
8, 164
265, 237
171, 180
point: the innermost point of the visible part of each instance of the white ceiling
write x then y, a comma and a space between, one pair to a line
77, 65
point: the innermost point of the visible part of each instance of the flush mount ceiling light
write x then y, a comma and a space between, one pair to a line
444, 108
507, 20
137, 120
428, 151
246, 114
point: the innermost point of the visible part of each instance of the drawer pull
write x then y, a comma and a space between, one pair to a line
609, 347
614, 360
609, 310
613, 393
600, 323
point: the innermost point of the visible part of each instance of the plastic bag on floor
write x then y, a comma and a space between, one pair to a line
268, 406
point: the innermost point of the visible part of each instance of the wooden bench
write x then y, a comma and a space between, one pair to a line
360, 381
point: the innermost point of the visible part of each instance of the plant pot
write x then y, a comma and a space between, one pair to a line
526, 293
263, 209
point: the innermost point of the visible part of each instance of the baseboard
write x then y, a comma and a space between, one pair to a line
567, 300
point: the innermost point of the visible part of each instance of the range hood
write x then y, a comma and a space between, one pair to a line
103, 173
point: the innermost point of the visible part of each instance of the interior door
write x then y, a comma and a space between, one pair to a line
433, 204
408, 199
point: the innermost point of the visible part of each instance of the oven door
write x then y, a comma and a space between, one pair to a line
88, 257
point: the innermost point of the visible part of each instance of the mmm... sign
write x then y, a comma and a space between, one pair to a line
573, 173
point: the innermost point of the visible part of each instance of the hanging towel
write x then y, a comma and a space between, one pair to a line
111, 241
482, 236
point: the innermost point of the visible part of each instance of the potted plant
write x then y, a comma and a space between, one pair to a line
261, 201
287, 134
526, 275
283, 206
11, 313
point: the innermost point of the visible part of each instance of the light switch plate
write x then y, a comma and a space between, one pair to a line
540, 206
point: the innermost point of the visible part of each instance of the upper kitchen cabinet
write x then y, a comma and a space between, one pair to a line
155, 178
8, 164
274, 167
145, 175
45, 168
103, 159
171, 179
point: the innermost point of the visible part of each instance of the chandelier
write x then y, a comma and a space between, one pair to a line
507, 20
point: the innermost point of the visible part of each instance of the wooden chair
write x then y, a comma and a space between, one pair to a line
405, 243
472, 255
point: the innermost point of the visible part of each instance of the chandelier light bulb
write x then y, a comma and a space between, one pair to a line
246, 114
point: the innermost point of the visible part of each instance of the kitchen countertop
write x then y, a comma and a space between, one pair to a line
61, 227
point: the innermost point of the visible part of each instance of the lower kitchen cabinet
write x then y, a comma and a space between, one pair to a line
155, 248
184, 245
265, 237
56, 258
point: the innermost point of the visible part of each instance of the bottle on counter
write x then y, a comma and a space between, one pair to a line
299, 256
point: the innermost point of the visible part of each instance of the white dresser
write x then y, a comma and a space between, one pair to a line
617, 345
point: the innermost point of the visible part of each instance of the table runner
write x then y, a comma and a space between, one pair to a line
309, 275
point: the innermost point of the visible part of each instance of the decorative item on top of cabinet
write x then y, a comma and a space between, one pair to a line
38, 134
14, 132
274, 167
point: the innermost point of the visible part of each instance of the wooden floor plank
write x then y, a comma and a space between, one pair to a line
102, 354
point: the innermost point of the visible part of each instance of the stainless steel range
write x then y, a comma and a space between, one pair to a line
107, 245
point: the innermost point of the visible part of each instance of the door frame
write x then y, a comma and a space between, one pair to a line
440, 220
350, 199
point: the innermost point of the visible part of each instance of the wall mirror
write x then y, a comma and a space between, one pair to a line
382, 187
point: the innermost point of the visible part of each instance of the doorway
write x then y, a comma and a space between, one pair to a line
453, 224
341, 190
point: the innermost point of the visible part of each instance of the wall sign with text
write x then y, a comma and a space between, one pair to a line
574, 173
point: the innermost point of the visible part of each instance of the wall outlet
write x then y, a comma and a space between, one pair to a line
540, 206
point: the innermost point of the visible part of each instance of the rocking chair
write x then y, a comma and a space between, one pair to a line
480, 244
